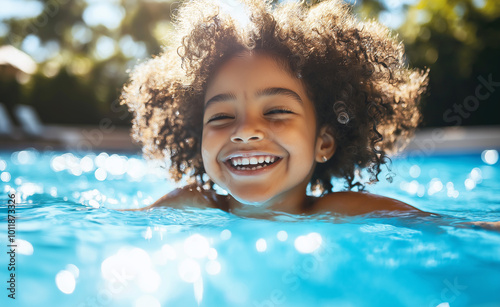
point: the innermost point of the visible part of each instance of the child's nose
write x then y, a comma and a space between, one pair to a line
247, 132
247, 139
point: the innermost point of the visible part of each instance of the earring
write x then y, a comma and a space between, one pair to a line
324, 158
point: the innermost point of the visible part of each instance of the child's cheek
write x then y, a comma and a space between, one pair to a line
277, 126
207, 158
210, 148
287, 132
302, 164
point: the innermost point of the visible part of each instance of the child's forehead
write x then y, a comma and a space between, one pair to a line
247, 60
244, 63
251, 72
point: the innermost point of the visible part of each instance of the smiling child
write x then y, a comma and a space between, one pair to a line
266, 107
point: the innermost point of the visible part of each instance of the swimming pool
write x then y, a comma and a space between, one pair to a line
74, 249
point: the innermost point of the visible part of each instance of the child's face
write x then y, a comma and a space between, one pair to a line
257, 113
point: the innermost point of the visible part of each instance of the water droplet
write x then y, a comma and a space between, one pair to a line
390, 177
343, 118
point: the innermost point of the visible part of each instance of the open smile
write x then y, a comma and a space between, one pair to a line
251, 164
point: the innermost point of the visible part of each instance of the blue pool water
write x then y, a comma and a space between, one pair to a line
74, 249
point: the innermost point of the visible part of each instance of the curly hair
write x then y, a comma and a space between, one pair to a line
354, 72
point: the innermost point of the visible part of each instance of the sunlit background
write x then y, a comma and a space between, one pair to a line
62, 66
79, 52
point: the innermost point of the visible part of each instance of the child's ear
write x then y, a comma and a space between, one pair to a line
325, 144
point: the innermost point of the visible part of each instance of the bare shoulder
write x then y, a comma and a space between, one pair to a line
187, 196
355, 203
487, 225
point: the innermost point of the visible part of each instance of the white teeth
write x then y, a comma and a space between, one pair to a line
253, 161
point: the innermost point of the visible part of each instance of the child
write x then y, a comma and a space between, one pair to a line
265, 107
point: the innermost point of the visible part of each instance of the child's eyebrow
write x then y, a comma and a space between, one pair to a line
270, 91
220, 98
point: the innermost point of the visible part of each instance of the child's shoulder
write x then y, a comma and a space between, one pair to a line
189, 196
355, 203
347, 203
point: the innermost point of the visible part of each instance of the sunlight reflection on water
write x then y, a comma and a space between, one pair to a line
75, 249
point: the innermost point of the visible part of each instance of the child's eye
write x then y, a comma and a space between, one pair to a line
279, 111
219, 116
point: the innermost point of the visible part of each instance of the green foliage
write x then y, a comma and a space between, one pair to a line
459, 41
77, 81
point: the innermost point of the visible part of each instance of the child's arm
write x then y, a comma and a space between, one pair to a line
187, 196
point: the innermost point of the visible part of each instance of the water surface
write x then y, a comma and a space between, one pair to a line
75, 249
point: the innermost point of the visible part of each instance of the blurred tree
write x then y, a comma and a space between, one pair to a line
460, 41
84, 49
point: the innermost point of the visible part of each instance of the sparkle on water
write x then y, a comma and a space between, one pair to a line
261, 245
74, 248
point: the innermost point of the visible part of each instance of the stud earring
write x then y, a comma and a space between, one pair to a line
324, 158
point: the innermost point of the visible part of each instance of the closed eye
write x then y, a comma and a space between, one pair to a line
280, 111
219, 117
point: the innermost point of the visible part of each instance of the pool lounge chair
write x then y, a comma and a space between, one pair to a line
7, 129
30, 133
29, 120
